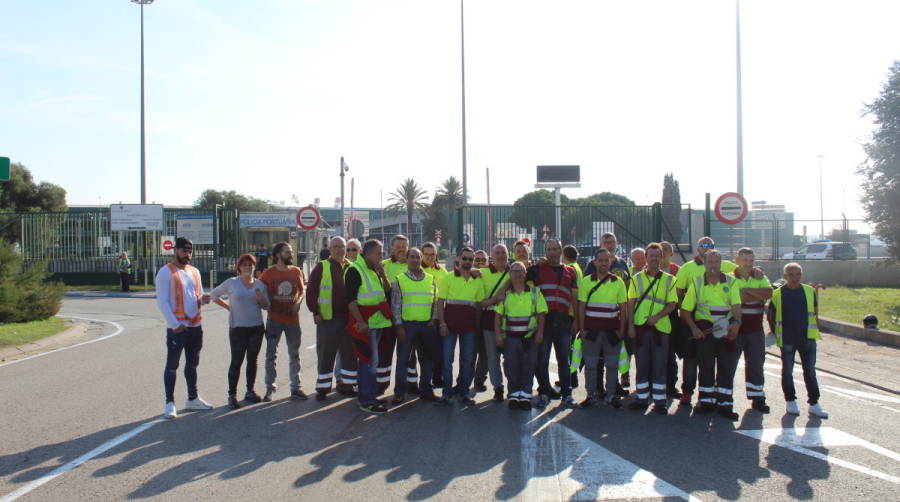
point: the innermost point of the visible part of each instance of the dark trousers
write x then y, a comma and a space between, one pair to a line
807, 350
651, 354
189, 341
245, 343
423, 339
558, 336
385, 361
331, 338
706, 362
125, 279
481, 358
753, 346
726, 364
519, 358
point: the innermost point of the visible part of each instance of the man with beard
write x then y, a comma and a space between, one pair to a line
459, 295
394, 266
179, 295
434, 269
558, 283
284, 283
495, 277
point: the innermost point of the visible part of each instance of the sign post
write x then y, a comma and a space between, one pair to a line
4, 169
557, 178
731, 208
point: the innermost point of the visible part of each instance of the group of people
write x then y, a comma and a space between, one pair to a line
505, 314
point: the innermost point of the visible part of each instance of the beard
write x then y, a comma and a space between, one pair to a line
467, 266
184, 260
288, 260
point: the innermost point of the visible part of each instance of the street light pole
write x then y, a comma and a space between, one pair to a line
740, 118
142, 3
821, 198
344, 168
462, 39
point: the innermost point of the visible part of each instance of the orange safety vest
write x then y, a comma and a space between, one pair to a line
178, 292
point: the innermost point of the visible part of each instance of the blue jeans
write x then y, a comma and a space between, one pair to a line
425, 338
807, 350
189, 341
466, 360
557, 335
368, 387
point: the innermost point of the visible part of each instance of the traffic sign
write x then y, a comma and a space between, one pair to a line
167, 245
308, 217
4, 169
731, 208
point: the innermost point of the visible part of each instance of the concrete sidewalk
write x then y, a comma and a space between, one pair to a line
110, 294
865, 362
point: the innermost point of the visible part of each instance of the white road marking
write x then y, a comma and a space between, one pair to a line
800, 439
119, 331
311, 347
864, 395
112, 443
561, 464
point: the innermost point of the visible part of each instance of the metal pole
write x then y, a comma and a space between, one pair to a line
342, 198
740, 120
557, 200
462, 38
143, 120
821, 200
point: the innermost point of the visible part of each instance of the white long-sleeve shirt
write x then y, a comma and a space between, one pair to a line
165, 299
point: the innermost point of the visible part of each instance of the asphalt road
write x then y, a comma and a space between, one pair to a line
83, 424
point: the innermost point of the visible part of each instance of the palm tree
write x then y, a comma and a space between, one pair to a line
450, 193
409, 197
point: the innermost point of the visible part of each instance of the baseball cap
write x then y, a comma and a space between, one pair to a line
184, 243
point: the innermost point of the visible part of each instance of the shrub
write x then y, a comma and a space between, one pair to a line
26, 295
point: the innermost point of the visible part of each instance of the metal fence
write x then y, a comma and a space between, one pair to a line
80, 246
582, 226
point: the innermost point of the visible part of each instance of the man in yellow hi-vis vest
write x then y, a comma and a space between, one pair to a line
796, 330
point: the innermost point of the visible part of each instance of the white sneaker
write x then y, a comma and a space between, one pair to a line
170, 411
197, 404
792, 407
817, 411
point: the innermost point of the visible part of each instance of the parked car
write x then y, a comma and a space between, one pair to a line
823, 251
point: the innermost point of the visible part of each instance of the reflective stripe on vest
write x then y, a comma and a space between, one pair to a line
714, 312
752, 308
641, 287
325, 292
417, 297
367, 295
178, 293
812, 329
519, 326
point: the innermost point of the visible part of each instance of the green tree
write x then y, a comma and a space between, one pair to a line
447, 199
231, 200
408, 197
22, 195
671, 209
536, 209
881, 170
26, 294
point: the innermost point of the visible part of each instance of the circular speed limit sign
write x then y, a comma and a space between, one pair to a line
731, 208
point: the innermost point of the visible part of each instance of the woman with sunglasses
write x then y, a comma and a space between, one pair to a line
247, 298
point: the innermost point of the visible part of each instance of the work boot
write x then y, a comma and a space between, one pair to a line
660, 409
233, 402
615, 402
760, 405
638, 405
269, 393
299, 395
252, 397
347, 390
685, 399
412, 388
321, 395
704, 408
590, 402
498, 394
728, 412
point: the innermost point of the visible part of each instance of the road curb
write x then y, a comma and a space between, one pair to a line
75, 331
112, 294
881, 336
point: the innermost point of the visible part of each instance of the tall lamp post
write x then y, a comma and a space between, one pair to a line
821, 199
142, 3
344, 168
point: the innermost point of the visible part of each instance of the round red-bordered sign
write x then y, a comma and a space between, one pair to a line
168, 245
308, 218
731, 208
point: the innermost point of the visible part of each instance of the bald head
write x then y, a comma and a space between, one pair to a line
338, 248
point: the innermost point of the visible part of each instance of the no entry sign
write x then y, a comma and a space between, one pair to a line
308, 217
731, 208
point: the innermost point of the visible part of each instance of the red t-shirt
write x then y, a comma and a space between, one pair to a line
284, 288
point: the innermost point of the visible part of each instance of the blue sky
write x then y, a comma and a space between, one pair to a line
264, 97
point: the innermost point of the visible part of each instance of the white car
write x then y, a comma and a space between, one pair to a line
823, 251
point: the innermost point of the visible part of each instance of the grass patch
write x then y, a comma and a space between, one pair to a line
109, 287
852, 304
18, 333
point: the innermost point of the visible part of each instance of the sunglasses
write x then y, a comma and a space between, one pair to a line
708, 245
352, 249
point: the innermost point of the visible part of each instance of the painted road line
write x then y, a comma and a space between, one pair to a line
561, 464
864, 395
119, 331
112, 443
801, 439
827, 388
311, 347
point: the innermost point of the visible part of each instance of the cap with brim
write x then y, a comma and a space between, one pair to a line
183, 243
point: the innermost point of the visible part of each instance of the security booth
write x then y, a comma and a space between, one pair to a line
271, 228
